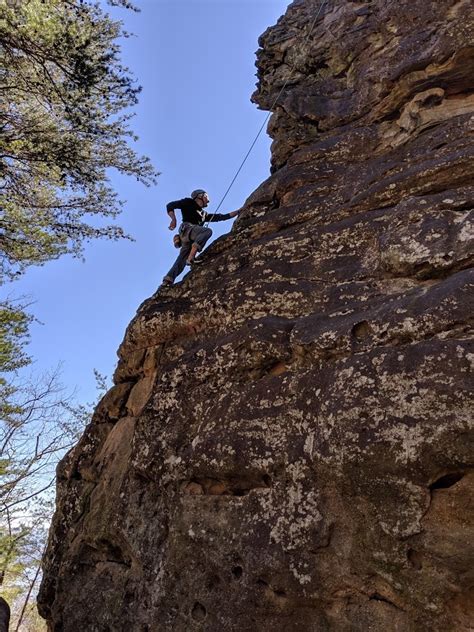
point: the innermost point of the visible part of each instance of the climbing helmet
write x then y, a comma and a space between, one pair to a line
200, 193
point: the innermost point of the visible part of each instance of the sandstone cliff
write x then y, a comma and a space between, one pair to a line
288, 445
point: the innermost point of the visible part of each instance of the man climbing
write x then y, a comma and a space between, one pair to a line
192, 235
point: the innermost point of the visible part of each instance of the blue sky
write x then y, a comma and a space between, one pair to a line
195, 60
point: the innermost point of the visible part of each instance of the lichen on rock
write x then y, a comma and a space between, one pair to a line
289, 441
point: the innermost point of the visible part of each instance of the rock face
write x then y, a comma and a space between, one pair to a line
288, 445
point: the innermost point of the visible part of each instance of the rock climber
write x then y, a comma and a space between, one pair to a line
192, 235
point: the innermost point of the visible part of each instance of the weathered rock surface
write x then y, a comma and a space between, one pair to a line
289, 443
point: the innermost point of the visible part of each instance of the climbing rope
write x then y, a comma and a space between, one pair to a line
323, 2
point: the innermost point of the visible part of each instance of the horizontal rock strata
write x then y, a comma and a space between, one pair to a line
288, 445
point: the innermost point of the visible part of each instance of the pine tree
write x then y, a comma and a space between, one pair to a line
64, 121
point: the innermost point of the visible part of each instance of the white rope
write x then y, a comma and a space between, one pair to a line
266, 118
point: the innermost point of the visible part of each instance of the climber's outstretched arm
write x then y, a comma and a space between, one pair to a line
220, 217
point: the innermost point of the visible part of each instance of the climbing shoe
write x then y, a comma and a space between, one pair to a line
194, 262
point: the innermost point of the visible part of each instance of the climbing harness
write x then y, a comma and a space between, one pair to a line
323, 2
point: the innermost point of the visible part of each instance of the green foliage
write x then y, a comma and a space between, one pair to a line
64, 121
14, 323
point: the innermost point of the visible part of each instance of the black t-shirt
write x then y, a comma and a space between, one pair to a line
193, 213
